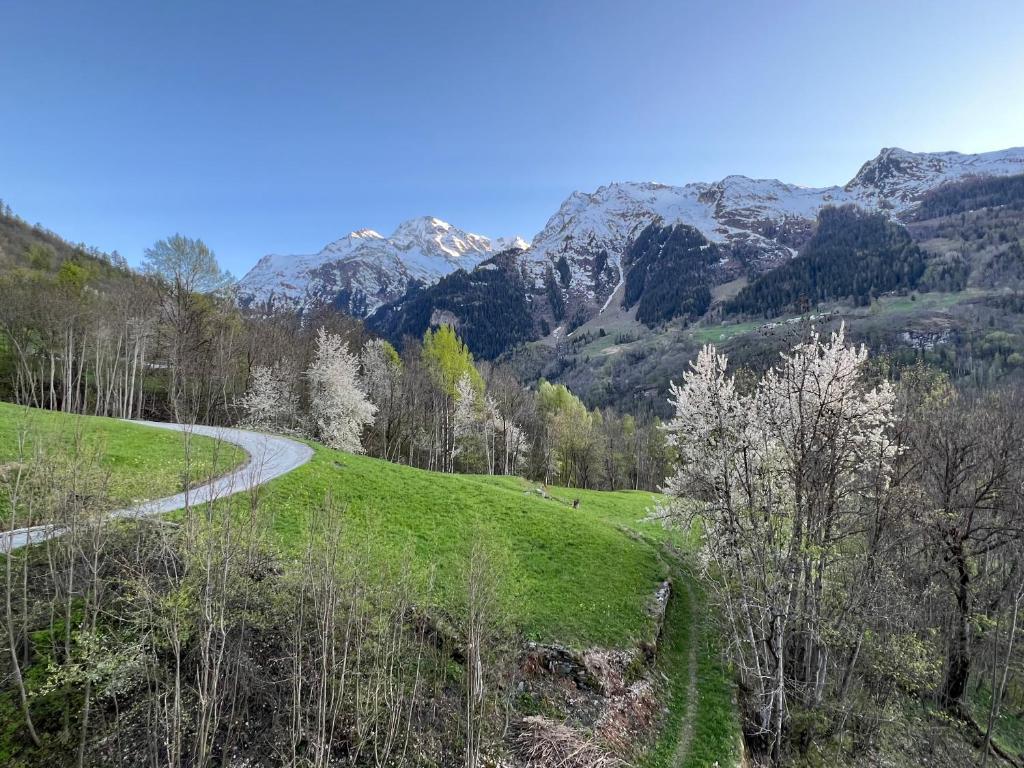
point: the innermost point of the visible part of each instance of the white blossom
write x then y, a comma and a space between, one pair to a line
340, 408
380, 370
781, 476
269, 402
467, 407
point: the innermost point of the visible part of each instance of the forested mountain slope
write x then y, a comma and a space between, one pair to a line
671, 271
852, 255
488, 306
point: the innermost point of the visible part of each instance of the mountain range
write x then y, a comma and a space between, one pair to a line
573, 268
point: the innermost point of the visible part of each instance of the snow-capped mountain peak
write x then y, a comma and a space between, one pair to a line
901, 177
350, 242
433, 237
500, 244
365, 269
366, 233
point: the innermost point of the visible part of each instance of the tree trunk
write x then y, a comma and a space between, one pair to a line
958, 660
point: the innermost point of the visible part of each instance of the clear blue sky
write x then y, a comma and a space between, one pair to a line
279, 126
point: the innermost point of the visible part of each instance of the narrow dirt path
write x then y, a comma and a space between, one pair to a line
686, 728
270, 456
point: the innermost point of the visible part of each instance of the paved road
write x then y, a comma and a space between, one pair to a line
270, 456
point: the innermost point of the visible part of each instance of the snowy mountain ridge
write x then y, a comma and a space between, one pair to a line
759, 222
359, 272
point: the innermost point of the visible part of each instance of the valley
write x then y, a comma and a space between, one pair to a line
512, 385
548, 497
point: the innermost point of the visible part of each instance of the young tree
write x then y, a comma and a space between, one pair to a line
269, 402
470, 419
568, 436
339, 405
512, 406
382, 377
447, 360
189, 278
970, 455
188, 264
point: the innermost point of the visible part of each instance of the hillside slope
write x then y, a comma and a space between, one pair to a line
575, 579
852, 255
28, 246
963, 313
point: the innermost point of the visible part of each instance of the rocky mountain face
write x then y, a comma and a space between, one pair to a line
576, 265
363, 270
944, 284
489, 307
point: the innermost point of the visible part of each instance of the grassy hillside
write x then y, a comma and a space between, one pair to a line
973, 329
580, 577
583, 577
570, 575
139, 462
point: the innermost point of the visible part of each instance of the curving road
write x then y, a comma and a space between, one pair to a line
270, 456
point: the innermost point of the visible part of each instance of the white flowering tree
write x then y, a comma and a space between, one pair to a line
339, 405
502, 437
470, 417
509, 406
515, 440
784, 478
382, 379
269, 402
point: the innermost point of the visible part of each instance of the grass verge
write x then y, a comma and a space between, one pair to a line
139, 463
713, 727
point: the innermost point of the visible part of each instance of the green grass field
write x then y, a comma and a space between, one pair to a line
570, 576
884, 306
900, 305
139, 462
716, 334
